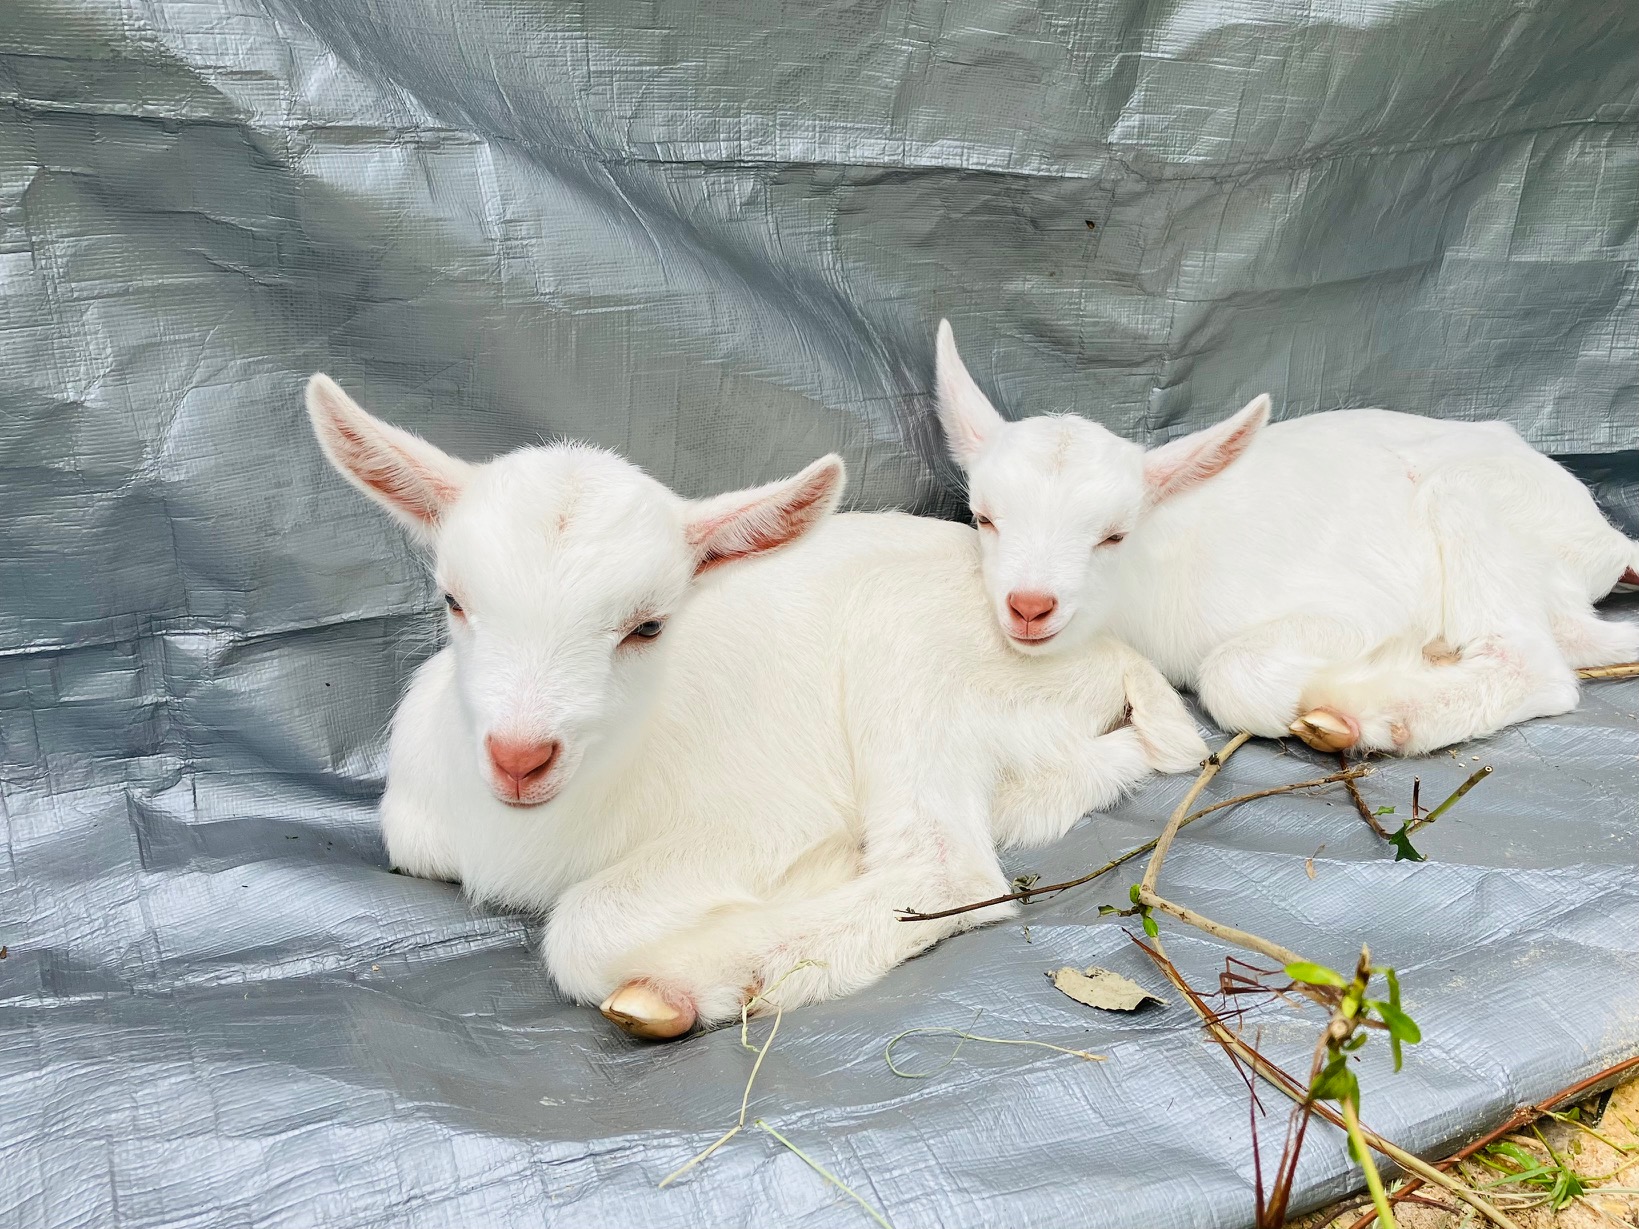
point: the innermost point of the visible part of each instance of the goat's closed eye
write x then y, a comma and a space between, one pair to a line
982, 521
455, 607
646, 630
1113, 539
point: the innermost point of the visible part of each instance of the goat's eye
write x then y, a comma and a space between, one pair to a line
1114, 539
646, 630
455, 607
982, 521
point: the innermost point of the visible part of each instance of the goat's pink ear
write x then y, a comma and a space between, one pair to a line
969, 420
411, 478
744, 523
1196, 457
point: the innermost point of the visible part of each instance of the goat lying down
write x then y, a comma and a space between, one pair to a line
711, 759
1359, 578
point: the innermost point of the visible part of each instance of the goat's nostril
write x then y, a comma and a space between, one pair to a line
1028, 607
521, 761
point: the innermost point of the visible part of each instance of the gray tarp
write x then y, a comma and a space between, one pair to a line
717, 236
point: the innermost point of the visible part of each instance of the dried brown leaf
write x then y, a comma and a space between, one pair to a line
1102, 988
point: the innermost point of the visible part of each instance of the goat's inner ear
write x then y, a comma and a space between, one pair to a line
414, 480
745, 523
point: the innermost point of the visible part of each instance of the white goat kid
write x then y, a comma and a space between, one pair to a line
712, 760
1359, 578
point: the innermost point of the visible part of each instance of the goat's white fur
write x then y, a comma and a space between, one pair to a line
1336, 561
822, 735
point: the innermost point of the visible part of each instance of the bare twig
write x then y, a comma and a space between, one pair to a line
1050, 889
1240, 938
1519, 1118
1350, 775
1627, 670
1209, 770
1149, 897
1360, 802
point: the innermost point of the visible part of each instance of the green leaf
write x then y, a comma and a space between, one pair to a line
1404, 850
1401, 1026
1354, 1043
1133, 894
1382, 811
1315, 974
1106, 909
1514, 1153
1150, 928
1568, 1188
1336, 1082
1394, 986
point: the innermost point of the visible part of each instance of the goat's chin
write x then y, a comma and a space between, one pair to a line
529, 800
1040, 643
537, 794
1066, 635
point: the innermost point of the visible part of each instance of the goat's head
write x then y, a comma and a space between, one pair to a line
559, 567
1054, 498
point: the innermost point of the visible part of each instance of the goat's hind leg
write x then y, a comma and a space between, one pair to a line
1496, 660
1585, 639
1256, 681
1412, 706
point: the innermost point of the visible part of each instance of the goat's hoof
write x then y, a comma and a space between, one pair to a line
644, 1012
1326, 729
1439, 652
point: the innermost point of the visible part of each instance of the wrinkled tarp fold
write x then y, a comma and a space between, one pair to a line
717, 237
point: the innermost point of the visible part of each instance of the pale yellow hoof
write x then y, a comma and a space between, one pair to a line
643, 1012
1326, 730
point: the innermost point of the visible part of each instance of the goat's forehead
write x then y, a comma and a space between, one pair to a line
1060, 461
1063, 442
568, 493
575, 516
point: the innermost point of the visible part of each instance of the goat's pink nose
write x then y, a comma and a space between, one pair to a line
1032, 606
523, 762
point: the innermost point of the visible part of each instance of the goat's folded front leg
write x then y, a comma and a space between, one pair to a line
658, 890
806, 951
925, 849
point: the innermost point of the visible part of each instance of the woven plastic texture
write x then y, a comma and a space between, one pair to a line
717, 237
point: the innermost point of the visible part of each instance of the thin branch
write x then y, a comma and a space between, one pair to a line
1568, 1095
1240, 938
1627, 670
1350, 775
1209, 770
1049, 889
1479, 775
1360, 803
1299, 1093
